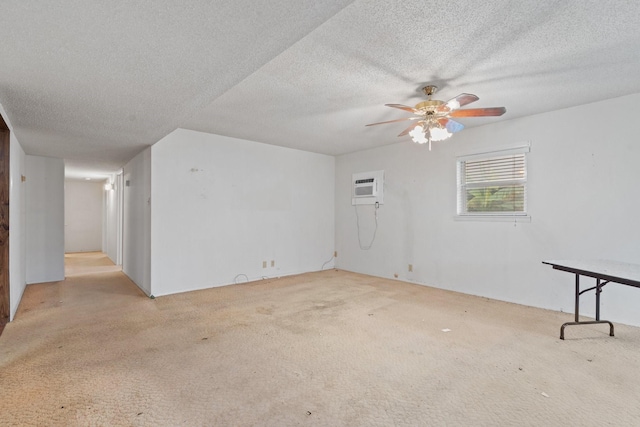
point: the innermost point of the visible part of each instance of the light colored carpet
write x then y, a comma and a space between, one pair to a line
325, 349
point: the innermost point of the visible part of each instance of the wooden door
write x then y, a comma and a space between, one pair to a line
4, 225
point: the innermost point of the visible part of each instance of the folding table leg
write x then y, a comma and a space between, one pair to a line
577, 321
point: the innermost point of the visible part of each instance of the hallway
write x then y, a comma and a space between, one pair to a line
325, 348
78, 264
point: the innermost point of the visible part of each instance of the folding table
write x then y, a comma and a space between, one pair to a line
604, 272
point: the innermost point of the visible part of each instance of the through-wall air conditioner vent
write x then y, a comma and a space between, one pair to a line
365, 187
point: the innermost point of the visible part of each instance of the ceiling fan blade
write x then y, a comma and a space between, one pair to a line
393, 121
459, 101
479, 112
403, 107
409, 129
451, 125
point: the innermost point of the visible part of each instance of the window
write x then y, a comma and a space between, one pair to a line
493, 183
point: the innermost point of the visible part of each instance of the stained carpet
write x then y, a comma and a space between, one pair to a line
330, 348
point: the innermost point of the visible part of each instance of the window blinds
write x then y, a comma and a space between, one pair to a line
492, 185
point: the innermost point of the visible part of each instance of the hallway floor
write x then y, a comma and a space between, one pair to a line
326, 349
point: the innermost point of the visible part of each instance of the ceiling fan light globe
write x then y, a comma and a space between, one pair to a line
439, 134
418, 135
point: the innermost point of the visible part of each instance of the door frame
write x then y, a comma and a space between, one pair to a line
5, 176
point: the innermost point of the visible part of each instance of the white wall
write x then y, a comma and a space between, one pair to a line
17, 221
44, 219
136, 262
83, 216
17, 225
222, 206
112, 216
583, 187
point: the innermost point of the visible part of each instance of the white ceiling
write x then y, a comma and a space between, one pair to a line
96, 82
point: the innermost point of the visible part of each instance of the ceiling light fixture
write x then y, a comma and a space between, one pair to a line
429, 131
435, 118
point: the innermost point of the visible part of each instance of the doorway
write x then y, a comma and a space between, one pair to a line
93, 217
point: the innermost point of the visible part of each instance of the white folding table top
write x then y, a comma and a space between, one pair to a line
614, 271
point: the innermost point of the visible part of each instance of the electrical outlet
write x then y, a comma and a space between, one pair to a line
410, 268
264, 264
335, 254
273, 263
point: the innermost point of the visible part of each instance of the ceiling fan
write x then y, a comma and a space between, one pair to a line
434, 117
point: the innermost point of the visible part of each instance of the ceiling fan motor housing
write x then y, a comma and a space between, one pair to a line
429, 107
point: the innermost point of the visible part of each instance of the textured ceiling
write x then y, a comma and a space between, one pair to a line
96, 82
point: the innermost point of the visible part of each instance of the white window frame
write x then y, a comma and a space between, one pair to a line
461, 187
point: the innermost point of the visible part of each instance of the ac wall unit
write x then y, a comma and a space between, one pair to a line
366, 187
